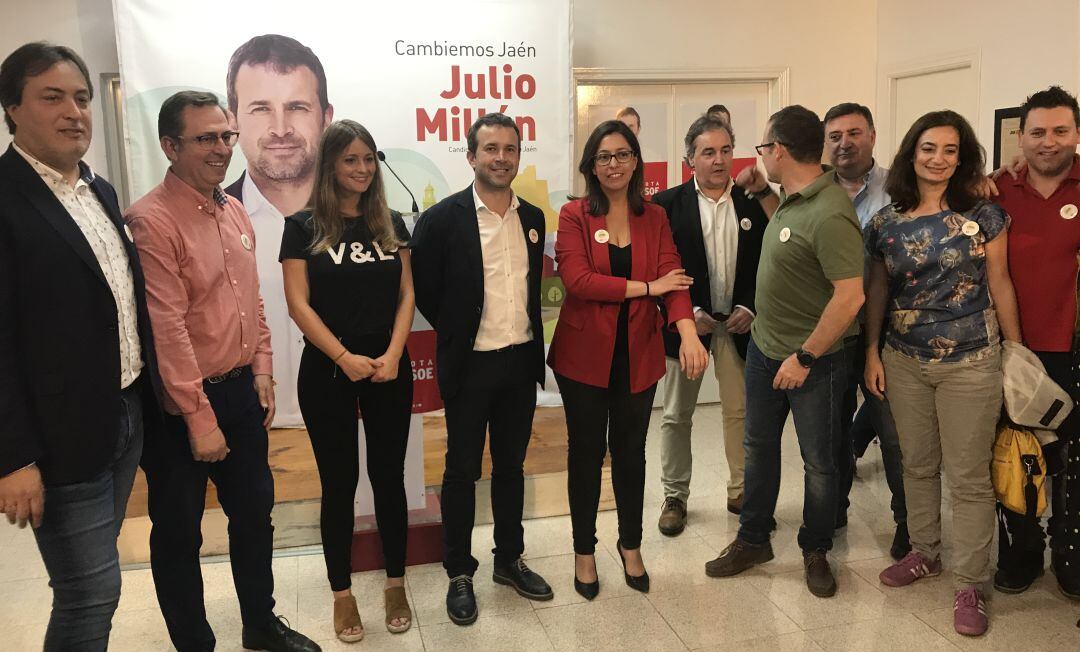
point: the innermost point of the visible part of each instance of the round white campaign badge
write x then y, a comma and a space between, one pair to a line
246, 241
601, 236
1068, 211
785, 234
745, 224
970, 228
127, 232
534, 237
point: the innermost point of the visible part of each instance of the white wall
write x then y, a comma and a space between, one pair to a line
1021, 47
830, 46
84, 25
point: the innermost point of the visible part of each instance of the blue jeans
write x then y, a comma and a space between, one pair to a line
815, 408
77, 540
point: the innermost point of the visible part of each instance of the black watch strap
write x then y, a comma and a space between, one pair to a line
805, 358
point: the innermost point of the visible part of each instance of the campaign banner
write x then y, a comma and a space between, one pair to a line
415, 73
656, 175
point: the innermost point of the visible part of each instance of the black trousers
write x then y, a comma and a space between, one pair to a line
874, 418
328, 403
598, 418
177, 493
1024, 552
497, 393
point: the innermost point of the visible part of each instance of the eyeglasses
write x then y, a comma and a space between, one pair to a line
765, 146
622, 156
210, 141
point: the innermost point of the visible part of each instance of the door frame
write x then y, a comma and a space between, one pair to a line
892, 74
778, 80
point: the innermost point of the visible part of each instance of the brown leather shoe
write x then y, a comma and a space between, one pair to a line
737, 557
819, 577
734, 505
672, 516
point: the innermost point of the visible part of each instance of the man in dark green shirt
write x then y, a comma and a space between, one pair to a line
809, 289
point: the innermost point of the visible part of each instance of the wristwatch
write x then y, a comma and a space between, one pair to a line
760, 194
805, 358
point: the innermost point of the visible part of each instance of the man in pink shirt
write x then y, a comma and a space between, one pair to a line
202, 286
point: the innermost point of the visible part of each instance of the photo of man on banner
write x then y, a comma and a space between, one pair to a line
276, 89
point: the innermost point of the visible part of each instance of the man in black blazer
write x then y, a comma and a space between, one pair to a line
477, 258
78, 380
717, 227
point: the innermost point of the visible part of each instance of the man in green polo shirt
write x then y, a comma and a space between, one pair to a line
809, 289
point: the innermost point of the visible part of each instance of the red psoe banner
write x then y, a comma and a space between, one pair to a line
426, 397
655, 178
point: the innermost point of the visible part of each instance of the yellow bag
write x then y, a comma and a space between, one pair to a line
1018, 470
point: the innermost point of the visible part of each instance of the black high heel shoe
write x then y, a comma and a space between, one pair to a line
587, 590
639, 583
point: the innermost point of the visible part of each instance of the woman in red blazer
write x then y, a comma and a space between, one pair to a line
615, 255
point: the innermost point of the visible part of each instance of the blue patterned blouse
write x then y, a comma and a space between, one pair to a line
939, 307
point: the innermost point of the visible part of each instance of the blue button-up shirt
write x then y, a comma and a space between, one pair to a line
872, 197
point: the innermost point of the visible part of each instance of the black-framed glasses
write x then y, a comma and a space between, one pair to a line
622, 156
210, 141
762, 146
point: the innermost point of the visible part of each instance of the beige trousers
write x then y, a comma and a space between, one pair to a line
680, 399
946, 415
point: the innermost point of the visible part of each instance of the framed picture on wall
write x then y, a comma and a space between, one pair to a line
1006, 135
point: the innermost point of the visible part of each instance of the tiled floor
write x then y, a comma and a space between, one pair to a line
764, 609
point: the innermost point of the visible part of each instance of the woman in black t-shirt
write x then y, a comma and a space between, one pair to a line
349, 287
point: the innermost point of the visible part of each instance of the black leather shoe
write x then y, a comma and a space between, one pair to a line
461, 601
638, 583
1016, 580
901, 544
527, 583
587, 590
277, 637
1068, 580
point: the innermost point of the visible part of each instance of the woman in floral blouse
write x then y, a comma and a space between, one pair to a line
940, 276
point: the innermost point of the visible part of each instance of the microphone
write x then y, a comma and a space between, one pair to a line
382, 159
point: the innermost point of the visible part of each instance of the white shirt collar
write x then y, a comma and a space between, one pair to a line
86, 175
514, 202
723, 198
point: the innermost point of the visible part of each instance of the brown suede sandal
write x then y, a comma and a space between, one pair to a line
346, 616
397, 606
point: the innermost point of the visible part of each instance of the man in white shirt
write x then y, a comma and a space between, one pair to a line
78, 376
717, 227
477, 260
277, 93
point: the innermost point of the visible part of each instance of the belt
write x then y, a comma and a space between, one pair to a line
508, 349
228, 375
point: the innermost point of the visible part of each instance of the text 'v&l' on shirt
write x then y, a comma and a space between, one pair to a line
354, 285
939, 305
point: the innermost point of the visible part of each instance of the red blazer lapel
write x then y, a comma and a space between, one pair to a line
601, 259
639, 255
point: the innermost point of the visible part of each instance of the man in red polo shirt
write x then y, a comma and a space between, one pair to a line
1044, 239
